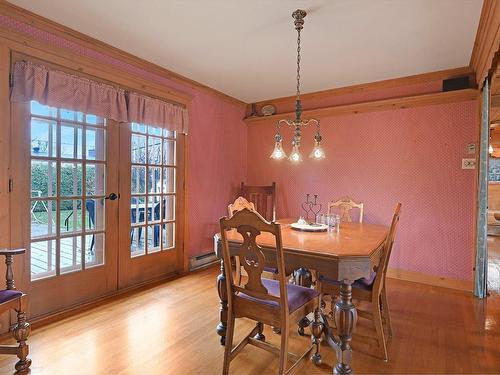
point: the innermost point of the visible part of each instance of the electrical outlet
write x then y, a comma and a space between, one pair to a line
468, 163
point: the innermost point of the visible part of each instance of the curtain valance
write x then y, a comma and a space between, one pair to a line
60, 89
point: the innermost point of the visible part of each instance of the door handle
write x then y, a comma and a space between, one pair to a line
112, 196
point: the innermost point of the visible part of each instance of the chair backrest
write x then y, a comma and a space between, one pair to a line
386, 252
250, 224
345, 205
263, 198
239, 204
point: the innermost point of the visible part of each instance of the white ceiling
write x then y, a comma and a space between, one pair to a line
247, 49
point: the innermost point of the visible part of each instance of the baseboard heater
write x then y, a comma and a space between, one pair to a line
202, 261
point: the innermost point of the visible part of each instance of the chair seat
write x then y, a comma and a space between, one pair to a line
297, 295
9, 295
363, 283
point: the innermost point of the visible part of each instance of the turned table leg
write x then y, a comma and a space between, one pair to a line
221, 289
345, 319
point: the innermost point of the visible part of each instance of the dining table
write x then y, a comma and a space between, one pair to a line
345, 255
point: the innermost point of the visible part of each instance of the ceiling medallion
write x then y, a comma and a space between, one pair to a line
295, 156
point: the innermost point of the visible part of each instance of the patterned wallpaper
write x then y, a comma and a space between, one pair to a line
412, 156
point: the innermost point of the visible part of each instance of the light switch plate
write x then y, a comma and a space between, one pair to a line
468, 163
471, 148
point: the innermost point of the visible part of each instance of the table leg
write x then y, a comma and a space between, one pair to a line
345, 319
303, 277
221, 289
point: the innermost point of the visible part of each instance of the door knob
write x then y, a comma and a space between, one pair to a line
112, 196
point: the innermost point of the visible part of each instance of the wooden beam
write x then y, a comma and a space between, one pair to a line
31, 19
487, 40
388, 83
378, 105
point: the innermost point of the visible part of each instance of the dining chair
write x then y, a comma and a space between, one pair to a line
372, 289
12, 299
344, 206
271, 302
263, 198
239, 204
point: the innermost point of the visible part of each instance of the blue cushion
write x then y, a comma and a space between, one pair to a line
297, 295
365, 283
8, 295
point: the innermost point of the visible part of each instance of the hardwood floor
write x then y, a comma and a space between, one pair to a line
170, 329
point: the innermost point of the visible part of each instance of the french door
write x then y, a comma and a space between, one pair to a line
90, 225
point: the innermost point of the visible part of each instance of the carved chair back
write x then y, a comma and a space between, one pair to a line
263, 198
345, 205
239, 204
386, 253
250, 224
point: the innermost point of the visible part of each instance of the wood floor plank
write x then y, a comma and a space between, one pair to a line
170, 329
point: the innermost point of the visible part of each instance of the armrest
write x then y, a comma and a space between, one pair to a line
12, 251
9, 275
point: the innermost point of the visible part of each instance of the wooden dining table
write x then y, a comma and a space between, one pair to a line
346, 255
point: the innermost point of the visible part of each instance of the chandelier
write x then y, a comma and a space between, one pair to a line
295, 156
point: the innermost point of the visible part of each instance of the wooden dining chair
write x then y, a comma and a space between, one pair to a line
263, 198
344, 206
271, 302
371, 289
239, 204
12, 299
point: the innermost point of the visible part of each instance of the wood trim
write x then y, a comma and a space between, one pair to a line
55, 28
487, 40
424, 278
4, 146
384, 84
379, 105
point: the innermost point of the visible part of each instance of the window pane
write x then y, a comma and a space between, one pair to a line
70, 254
43, 218
94, 217
71, 142
43, 137
153, 238
138, 180
139, 128
95, 179
94, 120
154, 150
169, 133
168, 207
71, 179
43, 178
169, 180
138, 149
168, 152
168, 233
154, 180
95, 142
71, 215
137, 241
154, 208
137, 207
43, 110
94, 250
43, 259
66, 114
154, 130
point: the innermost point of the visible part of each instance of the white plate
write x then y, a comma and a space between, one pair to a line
309, 227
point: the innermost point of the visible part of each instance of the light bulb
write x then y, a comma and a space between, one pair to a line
295, 155
317, 152
490, 149
278, 152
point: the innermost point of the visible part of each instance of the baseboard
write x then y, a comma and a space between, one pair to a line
424, 278
202, 261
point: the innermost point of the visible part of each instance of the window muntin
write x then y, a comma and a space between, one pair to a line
68, 164
153, 193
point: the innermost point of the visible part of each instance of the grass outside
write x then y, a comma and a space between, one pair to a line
42, 218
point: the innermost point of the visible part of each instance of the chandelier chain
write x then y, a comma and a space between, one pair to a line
298, 64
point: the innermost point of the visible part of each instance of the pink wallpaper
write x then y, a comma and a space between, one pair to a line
217, 142
412, 156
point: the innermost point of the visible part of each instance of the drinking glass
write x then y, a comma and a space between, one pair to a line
320, 219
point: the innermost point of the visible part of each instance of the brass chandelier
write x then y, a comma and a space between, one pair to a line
295, 156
